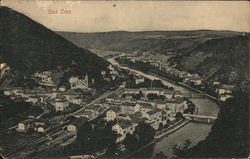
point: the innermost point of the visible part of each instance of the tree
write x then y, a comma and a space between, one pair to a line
229, 136
179, 116
160, 155
131, 142
145, 133
161, 126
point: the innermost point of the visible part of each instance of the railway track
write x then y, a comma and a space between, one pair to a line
33, 142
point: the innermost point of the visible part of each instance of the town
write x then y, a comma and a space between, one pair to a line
155, 64
135, 100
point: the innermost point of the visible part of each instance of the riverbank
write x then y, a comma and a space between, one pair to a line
197, 90
186, 86
163, 133
195, 132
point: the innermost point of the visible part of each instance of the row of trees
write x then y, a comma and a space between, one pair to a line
143, 135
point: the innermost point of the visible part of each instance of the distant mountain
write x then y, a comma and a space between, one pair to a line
154, 41
224, 59
27, 46
220, 55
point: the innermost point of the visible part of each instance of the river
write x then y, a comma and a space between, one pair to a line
194, 131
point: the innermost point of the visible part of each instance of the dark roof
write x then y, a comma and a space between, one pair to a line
159, 102
124, 123
86, 113
228, 86
129, 104
123, 115
195, 78
115, 109
146, 105
112, 96
153, 111
167, 108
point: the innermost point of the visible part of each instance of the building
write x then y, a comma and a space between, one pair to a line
62, 88
196, 80
153, 115
176, 105
216, 83
32, 99
7, 92
103, 73
169, 94
225, 89
111, 98
129, 108
139, 80
123, 127
112, 114
77, 83
71, 94
77, 100
4, 69
224, 97
145, 107
44, 78
42, 128
160, 104
158, 91
3, 65
94, 108
87, 114
59, 104
170, 114
24, 126
77, 124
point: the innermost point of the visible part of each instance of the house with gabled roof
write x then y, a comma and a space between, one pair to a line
122, 128
24, 126
225, 89
145, 107
129, 107
161, 104
77, 123
112, 113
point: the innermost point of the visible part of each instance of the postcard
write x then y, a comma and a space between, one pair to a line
124, 79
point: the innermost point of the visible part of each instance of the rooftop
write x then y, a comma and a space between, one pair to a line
124, 123
86, 112
159, 102
128, 104
146, 105
153, 111
228, 86
115, 109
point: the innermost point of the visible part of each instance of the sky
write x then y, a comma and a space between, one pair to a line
102, 16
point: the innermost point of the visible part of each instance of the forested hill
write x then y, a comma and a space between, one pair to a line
165, 42
27, 46
223, 59
229, 136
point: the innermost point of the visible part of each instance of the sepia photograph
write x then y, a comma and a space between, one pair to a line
124, 79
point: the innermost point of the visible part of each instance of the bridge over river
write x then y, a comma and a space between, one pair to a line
194, 95
200, 118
